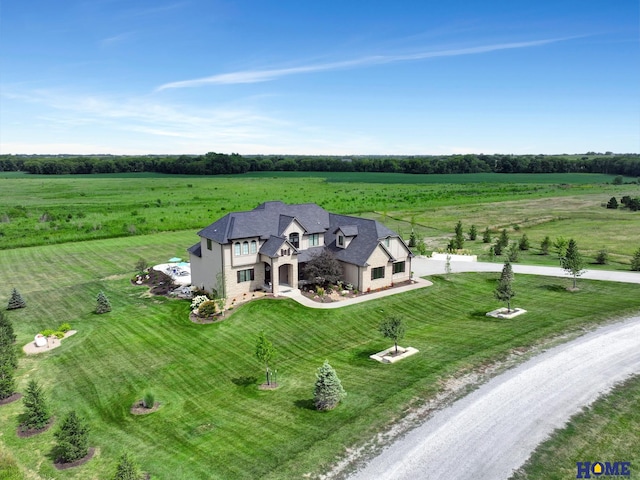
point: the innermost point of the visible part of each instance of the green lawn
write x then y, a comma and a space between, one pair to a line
603, 432
213, 422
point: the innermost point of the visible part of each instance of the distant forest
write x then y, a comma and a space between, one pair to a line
223, 164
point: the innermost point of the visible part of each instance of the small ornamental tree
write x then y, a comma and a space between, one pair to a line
635, 261
572, 262
141, 266
323, 268
473, 233
393, 328
458, 242
6, 329
523, 244
264, 353
72, 439
36, 409
545, 245
103, 305
127, 469
16, 300
328, 389
560, 247
486, 236
612, 203
504, 291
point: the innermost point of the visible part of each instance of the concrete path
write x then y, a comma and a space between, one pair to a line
492, 431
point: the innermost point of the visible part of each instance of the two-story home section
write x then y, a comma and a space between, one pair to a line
267, 248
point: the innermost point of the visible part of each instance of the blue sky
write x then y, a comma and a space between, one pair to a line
358, 77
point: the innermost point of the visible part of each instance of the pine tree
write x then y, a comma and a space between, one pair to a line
473, 233
504, 238
7, 383
486, 236
8, 354
16, 300
545, 245
36, 412
572, 261
504, 291
328, 389
524, 242
6, 329
612, 203
459, 239
103, 303
412, 239
127, 469
72, 438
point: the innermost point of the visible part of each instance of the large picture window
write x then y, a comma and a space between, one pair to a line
246, 275
294, 239
398, 267
377, 272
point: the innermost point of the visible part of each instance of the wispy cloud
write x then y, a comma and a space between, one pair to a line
116, 39
255, 76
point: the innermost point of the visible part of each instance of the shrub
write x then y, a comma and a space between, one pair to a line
148, 400
58, 334
16, 300
635, 261
72, 439
320, 291
127, 469
48, 332
65, 327
103, 305
328, 389
197, 301
207, 308
602, 257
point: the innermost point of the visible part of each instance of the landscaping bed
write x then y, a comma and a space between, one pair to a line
334, 293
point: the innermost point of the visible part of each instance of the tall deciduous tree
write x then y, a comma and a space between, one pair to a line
36, 409
328, 389
72, 438
323, 268
504, 291
393, 328
264, 353
572, 261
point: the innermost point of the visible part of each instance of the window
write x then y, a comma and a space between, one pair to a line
386, 242
245, 275
340, 241
398, 267
294, 239
253, 248
236, 249
245, 248
377, 272
208, 244
314, 239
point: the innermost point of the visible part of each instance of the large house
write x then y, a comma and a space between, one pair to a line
266, 249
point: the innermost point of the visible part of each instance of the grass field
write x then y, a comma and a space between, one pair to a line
601, 433
213, 422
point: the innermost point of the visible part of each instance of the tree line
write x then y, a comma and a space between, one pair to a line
224, 164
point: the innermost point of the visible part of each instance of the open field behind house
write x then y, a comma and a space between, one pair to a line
214, 422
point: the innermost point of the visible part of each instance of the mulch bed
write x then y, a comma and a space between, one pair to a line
31, 432
138, 408
159, 282
63, 465
11, 399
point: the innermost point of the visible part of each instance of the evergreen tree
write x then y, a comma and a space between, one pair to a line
524, 242
513, 253
7, 383
8, 354
572, 261
473, 233
497, 248
545, 245
72, 438
36, 412
612, 203
504, 291
504, 238
393, 328
16, 300
127, 469
328, 390
459, 238
635, 261
103, 303
412, 239
486, 236
6, 329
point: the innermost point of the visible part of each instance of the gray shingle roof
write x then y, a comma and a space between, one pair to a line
195, 249
271, 246
349, 230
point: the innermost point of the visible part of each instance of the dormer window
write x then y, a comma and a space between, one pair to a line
294, 239
386, 242
341, 240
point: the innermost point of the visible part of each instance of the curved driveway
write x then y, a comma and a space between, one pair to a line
492, 431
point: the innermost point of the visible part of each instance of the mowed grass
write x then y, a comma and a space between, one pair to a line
607, 431
214, 423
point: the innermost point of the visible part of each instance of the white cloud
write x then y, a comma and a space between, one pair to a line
255, 76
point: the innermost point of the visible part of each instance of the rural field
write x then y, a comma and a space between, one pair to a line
64, 239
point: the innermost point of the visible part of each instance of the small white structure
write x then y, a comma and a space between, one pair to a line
504, 313
40, 340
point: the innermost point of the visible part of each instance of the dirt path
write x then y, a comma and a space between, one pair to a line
492, 431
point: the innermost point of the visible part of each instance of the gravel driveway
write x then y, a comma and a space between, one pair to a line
492, 431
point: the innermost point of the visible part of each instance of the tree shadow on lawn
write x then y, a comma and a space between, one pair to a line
554, 288
482, 315
307, 404
244, 381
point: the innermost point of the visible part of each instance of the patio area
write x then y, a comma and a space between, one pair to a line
180, 272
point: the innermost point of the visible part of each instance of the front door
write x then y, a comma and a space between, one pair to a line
267, 273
